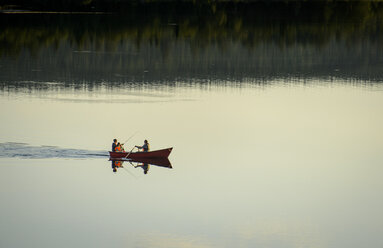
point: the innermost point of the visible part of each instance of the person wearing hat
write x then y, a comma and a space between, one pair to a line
114, 144
145, 146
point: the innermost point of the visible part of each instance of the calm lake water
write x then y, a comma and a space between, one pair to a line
268, 151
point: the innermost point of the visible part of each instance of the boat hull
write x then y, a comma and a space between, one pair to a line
164, 153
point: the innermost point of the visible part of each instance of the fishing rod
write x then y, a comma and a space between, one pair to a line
129, 172
130, 137
134, 167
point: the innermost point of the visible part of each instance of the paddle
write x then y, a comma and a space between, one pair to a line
129, 152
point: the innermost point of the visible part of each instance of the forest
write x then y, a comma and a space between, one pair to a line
170, 40
248, 23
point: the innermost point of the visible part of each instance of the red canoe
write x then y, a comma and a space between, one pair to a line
164, 153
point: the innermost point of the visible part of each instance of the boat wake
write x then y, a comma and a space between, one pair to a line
23, 150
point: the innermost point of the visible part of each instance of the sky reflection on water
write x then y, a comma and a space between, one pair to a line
279, 165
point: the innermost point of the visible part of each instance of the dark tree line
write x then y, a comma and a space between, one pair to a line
284, 23
185, 39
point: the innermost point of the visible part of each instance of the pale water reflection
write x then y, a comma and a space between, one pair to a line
22, 150
278, 165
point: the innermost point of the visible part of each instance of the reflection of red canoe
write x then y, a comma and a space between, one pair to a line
164, 153
163, 162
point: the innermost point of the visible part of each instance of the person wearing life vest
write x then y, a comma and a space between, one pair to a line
118, 147
145, 146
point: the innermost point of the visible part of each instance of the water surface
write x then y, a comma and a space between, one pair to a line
275, 123
278, 166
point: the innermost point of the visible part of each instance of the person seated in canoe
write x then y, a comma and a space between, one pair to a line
118, 147
145, 146
114, 144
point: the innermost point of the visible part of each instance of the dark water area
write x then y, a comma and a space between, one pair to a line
162, 43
